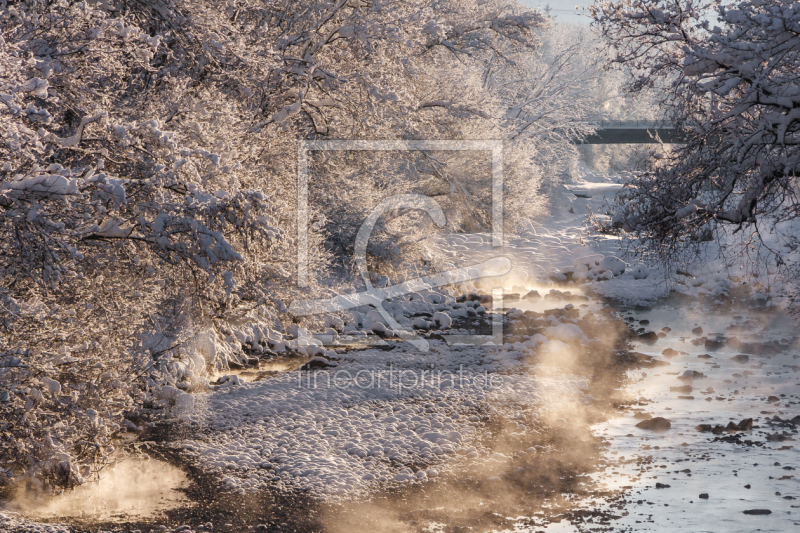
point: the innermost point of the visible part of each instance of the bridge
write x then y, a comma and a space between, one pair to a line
633, 132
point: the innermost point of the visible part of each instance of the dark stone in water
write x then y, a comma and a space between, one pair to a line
704, 356
704, 496
746, 424
704, 427
741, 358
569, 313
714, 345
317, 362
758, 511
697, 331
734, 343
648, 336
662, 486
655, 424
474, 297
669, 352
694, 374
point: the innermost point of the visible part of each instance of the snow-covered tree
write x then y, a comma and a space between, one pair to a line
537, 96
148, 178
729, 73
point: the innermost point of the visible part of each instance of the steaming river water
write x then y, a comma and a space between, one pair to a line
653, 481
738, 471
664, 474
132, 489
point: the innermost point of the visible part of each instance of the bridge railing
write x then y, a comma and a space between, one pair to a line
613, 124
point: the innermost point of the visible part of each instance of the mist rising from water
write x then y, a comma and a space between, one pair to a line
132, 488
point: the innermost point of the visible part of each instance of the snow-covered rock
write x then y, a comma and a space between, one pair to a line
569, 333
613, 264
443, 320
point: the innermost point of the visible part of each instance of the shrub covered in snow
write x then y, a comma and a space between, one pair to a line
731, 73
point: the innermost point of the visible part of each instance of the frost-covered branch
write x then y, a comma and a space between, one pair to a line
732, 84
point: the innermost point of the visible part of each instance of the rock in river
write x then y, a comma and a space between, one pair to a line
655, 424
648, 337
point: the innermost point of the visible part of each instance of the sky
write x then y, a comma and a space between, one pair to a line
564, 10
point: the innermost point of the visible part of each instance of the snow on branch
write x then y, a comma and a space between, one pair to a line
729, 77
